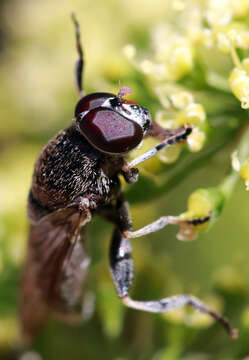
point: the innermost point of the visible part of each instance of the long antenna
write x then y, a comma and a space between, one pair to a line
79, 65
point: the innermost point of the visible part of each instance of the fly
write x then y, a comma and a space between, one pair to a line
76, 176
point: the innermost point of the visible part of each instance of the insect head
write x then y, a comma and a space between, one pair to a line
110, 123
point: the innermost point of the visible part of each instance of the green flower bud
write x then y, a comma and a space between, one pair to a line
204, 202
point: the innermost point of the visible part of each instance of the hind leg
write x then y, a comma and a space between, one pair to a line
121, 266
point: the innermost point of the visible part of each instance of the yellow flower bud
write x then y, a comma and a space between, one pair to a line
195, 113
235, 74
204, 202
244, 170
239, 83
201, 203
230, 36
192, 114
180, 62
182, 99
244, 173
196, 140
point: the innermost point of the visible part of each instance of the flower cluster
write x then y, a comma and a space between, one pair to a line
180, 109
177, 50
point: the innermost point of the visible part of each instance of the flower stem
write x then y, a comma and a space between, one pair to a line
235, 58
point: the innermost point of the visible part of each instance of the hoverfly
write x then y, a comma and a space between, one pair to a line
76, 176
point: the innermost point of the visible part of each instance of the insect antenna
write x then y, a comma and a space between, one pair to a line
79, 65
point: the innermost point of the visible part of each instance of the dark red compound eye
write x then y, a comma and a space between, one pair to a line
109, 131
91, 101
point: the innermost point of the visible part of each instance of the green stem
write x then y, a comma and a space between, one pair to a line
228, 184
235, 58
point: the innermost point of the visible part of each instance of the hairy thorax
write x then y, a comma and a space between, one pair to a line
69, 167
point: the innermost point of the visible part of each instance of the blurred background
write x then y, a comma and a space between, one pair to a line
122, 41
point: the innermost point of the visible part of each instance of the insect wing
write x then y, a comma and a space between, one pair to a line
55, 253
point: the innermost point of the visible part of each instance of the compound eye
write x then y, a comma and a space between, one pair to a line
90, 102
109, 131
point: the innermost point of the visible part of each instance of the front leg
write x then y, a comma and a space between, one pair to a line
121, 266
170, 137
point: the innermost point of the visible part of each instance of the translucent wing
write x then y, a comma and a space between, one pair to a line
55, 269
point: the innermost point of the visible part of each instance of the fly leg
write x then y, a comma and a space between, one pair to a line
121, 267
170, 137
79, 65
187, 227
